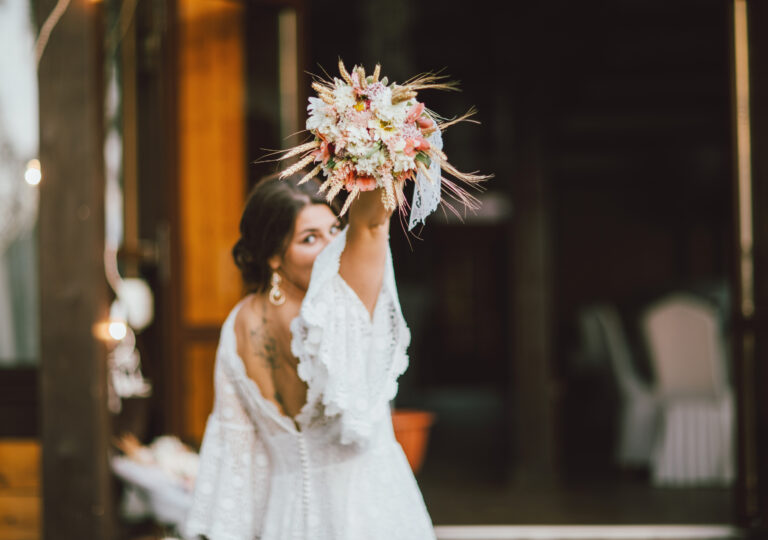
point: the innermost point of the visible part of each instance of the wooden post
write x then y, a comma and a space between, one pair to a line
534, 425
751, 261
534, 405
73, 291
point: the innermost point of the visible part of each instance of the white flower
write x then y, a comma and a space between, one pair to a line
357, 134
380, 97
321, 116
343, 96
379, 131
317, 106
371, 163
402, 162
359, 148
381, 104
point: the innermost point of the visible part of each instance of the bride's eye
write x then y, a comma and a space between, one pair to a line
335, 229
309, 239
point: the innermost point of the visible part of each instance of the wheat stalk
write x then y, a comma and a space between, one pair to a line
303, 162
307, 177
344, 73
351, 197
336, 186
296, 150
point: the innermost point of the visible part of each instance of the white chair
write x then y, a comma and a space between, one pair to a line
695, 442
603, 333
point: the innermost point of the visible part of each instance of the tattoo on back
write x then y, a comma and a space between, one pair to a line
279, 399
263, 342
265, 347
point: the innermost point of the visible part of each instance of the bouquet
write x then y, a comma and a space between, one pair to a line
370, 134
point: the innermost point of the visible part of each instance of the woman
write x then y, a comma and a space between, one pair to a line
300, 442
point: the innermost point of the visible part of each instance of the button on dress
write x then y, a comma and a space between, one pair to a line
337, 473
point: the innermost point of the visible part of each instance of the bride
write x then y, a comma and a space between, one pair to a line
300, 442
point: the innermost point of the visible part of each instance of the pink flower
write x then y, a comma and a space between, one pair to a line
424, 123
416, 144
359, 118
364, 183
415, 112
343, 171
325, 151
415, 115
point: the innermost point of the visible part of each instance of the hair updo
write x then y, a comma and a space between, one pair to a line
267, 224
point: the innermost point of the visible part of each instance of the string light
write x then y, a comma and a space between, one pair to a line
117, 330
33, 174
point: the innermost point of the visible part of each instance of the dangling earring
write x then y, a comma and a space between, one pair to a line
276, 296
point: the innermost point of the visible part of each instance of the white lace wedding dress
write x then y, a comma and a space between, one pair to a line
341, 475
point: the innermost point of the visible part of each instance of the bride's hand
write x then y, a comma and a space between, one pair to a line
368, 210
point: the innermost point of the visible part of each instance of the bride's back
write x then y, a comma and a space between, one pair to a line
283, 229
263, 343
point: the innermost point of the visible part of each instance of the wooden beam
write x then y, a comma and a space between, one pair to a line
73, 292
157, 205
128, 98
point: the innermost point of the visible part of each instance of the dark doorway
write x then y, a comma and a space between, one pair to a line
608, 127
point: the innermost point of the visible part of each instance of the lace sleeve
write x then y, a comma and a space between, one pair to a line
232, 484
349, 361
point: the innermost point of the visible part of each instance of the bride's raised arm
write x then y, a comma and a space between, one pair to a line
365, 254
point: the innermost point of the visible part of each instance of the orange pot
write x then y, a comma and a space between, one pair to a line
412, 432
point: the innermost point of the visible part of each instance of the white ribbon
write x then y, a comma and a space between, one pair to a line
426, 193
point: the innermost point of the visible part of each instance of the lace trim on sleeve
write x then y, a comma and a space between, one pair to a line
232, 485
349, 362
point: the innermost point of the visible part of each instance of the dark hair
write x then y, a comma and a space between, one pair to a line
267, 224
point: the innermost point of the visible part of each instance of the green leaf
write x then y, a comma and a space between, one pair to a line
424, 158
331, 164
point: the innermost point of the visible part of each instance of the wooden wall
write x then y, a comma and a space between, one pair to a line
210, 194
19, 489
20, 504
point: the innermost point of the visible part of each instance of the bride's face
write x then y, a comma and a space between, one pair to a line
315, 226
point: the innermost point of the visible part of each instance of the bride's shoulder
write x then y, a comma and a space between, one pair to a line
246, 311
248, 317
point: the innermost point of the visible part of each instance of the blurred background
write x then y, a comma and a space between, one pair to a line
588, 342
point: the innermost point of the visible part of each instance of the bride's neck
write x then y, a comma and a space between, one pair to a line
293, 293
